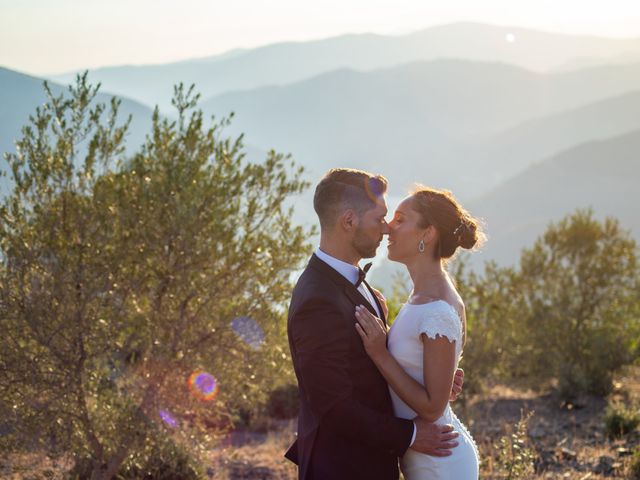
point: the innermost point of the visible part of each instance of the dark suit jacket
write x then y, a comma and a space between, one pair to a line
346, 426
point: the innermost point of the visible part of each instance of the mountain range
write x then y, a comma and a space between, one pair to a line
451, 123
288, 62
522, 126
599, 175
20, 94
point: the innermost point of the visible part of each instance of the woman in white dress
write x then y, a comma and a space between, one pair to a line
423, 348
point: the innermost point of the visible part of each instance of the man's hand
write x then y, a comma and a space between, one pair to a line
458, 381
432, 439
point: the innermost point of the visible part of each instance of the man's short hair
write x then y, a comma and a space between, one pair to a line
344, 188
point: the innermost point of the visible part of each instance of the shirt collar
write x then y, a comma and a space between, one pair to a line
348, 271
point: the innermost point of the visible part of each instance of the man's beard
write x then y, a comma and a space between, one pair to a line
365, 246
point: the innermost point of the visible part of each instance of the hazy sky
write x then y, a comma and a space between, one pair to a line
54, 36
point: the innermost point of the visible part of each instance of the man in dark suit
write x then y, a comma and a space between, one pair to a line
346, 426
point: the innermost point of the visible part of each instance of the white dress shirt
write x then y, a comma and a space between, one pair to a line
351, 273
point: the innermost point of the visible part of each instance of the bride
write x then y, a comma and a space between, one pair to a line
426, 339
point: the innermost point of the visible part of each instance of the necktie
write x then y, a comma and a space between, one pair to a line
362, 272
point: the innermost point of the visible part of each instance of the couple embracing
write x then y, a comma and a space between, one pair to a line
369, 394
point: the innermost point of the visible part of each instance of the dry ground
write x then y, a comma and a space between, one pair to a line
569, 440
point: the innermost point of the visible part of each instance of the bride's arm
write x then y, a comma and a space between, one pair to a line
428, 401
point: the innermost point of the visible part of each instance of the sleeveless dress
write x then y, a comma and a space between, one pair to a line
437, 318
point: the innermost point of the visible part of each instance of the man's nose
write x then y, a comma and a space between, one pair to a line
385, 228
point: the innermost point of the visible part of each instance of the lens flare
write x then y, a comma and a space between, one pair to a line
168, 418
248, 331
203, 386
375, 189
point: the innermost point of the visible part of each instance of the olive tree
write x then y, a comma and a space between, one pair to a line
579, 302
142, 298
566, 316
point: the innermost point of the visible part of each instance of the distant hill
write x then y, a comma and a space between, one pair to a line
284, 63
509, 152
20, 94
600, 174
631, 56
454, 124
427, 121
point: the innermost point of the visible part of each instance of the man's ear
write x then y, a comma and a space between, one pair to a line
349, 220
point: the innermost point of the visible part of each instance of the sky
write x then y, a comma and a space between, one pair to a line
54, 36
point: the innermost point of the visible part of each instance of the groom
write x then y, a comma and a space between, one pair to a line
346, 426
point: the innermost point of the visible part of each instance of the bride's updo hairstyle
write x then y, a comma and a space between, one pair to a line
455, 226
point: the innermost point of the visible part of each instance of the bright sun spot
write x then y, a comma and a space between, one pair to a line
510, 37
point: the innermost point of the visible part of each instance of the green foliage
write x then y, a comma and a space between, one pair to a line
567, 315
579, 293
515, 457
399, 294
635, 465
166, 462
494, 334
620, 419
120, 277
284, 402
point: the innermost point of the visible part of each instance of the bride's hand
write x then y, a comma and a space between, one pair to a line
383, 302
372, 332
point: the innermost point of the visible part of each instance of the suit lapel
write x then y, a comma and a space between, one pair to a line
349, 288
375, 299
357, 298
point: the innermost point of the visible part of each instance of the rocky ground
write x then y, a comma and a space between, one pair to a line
568, 441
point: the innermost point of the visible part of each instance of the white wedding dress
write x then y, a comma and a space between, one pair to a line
437, 318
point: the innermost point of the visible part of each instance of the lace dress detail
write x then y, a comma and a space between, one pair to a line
436, 319
441, 321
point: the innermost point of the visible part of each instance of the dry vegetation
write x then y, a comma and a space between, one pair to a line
569, 440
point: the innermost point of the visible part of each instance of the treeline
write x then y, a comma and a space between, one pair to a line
567, 317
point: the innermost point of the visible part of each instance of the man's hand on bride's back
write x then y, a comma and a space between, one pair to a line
432, 439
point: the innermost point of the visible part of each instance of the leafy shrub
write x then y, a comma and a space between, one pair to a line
620, 419
169, 463
568, 315
515, 457
122, 277
635, 465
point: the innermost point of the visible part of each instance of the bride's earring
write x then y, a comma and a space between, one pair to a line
421, 246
